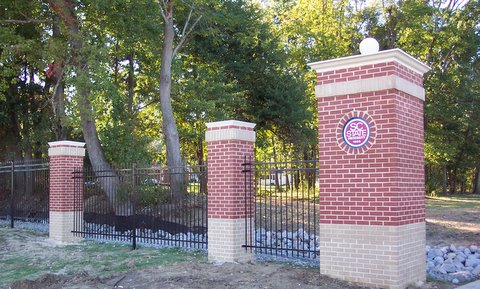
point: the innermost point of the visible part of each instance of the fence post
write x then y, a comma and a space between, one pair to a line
134, 209
65, 157
371, 168
12, 195
228, 142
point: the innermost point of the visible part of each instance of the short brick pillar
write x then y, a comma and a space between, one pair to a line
228, 143
65, 157
371, 154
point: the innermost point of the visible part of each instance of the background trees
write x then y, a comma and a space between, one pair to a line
243, 59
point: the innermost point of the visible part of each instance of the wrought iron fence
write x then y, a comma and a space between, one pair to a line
150, 205
24, 191
286, 205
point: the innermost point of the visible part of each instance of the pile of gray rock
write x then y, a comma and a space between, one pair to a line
35, 226
145, 236
297, 243
453, 264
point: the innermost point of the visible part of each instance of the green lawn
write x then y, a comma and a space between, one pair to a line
27, 255
453, 201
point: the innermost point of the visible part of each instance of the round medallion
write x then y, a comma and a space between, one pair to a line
356, 132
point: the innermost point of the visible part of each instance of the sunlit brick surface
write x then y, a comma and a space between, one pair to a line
65, 157
385, 185
229, 146
372, 210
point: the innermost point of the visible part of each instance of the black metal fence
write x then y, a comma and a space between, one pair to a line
24, 191
150, 205
286, 206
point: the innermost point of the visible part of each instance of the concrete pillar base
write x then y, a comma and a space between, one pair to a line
225, 240
61, 226
382, 256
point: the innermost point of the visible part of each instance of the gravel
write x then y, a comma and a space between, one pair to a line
453, 264
36, 226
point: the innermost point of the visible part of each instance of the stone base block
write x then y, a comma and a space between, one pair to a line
379, 256
225, 240
61, 226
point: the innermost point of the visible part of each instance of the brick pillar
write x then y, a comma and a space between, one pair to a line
372, 210
65, 156
228, 143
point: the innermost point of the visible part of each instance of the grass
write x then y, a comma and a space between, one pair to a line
453, 201
21, 262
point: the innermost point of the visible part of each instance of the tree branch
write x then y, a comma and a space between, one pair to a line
14, 21
187, 22
163, 9
184, 36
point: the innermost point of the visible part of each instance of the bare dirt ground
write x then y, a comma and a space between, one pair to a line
39, 263
195, 275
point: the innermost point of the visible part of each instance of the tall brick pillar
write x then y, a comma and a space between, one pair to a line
228, 143
65, 156
371, 153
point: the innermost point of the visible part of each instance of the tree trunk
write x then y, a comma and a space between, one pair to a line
476, 184
278, 188
58, 98
445, 180
170, 132
202, 168
65, 9
131, 83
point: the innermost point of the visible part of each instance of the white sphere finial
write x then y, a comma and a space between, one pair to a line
369, 46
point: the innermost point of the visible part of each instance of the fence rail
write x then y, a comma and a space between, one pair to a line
24, 191
149, 205
286, 205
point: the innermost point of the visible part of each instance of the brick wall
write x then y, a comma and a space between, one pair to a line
383, 186
230, 144
65, 157
372, 187
62, 182
226, 194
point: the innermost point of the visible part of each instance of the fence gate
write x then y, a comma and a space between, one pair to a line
285, 208
143, 205
24, 191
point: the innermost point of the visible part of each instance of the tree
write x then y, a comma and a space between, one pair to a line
24, 110
66, 11
170, 132
256, 83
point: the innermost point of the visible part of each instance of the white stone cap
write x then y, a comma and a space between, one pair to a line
222, 130
396, 55
66, 143
66, 148
224, 123
370, 84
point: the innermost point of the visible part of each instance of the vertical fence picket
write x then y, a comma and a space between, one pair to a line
285, 210
12, 194
155, 216
24, 191
134, 212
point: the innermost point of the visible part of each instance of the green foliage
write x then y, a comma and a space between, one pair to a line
24, 111
238, 44
243, 61
152, 194
445, 36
